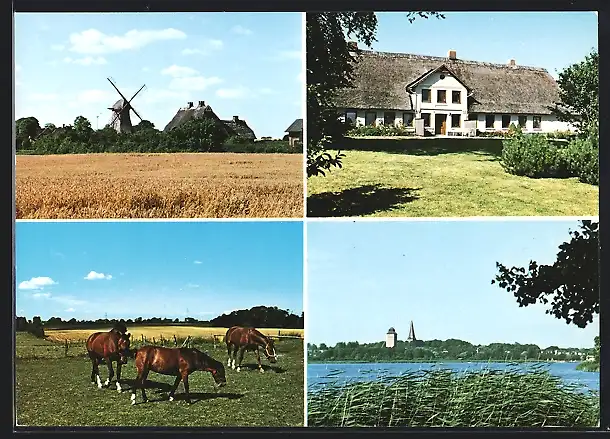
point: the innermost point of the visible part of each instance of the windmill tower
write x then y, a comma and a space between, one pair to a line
411, 336
120, 120
390, 338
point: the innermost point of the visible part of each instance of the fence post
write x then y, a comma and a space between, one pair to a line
175, 340
142, 337
154, 342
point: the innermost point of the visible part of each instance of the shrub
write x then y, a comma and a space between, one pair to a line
380, 130
582, 158
533, 156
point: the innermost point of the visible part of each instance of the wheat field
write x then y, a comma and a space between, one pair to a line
167, 332
178, 185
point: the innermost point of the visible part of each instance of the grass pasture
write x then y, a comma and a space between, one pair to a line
53, 389
180, 185
439, 177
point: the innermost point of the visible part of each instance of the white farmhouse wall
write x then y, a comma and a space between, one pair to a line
389, 340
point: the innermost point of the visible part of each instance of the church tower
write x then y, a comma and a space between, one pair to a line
411, 336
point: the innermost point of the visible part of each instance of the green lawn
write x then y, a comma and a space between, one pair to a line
54, 390
439, 178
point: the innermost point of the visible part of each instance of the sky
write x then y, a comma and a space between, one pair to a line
551, 40
125, 269
249, 65
365, 277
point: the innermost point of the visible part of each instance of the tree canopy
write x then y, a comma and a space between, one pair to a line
579, 94
570, 285
330, 66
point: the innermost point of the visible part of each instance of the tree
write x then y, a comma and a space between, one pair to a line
579, 94
571, 284
330, 67
82, 129
27, 128
144, 125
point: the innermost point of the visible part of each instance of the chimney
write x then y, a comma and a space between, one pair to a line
452, 54
235, 118
511, 62
352, 46
201, 103
189, 105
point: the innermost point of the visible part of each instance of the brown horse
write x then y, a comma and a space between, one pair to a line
242, 339
179, 362
108, 346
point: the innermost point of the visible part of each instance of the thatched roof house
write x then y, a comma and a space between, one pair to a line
295, 132
447, 91
233, 127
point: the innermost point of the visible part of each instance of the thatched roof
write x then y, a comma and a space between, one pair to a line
239, 127
381, 81
295, 127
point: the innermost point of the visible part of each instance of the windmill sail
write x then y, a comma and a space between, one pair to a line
120, 120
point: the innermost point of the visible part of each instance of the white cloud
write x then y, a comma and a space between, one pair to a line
194, 52
301, 77
197, 262
36, 283
266, 91
233, 93
68, 301
94, 275
206, 47
58, 47
93, 96
161, 95
192, 83
41, 295
290, 54
93, 41
86, 61
192, 285
44, 97
70, 310
240, 30
178, 71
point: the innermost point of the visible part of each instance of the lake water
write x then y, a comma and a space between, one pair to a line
318, 374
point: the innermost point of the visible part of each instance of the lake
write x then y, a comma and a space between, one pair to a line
318, 373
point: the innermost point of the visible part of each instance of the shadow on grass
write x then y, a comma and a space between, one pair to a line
424, 147
253, 366
181, 396
363, 200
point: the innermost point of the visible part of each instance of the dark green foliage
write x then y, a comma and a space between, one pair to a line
26, 128
570, 285
533, 156
444, 398
582, 158
261, 317
381, 130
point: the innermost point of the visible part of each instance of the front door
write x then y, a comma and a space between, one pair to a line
440, 124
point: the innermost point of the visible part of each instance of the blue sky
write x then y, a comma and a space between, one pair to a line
364, 277
552, 40
157, 269
242, 64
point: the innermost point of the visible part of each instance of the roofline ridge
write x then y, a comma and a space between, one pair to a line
445, 59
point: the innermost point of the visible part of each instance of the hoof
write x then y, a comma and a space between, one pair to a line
261, 370
99, 386
238, 369
171, 398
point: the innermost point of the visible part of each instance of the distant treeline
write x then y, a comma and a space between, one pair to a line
435, 350
258, 316
197, 135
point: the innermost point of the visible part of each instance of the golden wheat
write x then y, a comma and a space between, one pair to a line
159, 186
166, 332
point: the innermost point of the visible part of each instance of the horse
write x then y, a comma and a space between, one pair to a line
110, 346
242, 339
178, 362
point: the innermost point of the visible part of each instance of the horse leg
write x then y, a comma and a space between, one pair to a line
96, 372
110, 372
229, 354
258, 358
93, 373
143, 382
185, 379
118, 376
173, 391
240, 358
235, 348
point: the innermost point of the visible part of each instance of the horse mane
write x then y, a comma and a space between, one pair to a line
259, 334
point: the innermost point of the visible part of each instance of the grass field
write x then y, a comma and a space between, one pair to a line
55, 390
166, 332
439, 178
159, 186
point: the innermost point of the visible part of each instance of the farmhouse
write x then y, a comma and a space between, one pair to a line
450, 95
233, 127
295, 132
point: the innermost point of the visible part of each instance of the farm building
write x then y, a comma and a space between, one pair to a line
391, 338
447, 92
232, 127
295, 132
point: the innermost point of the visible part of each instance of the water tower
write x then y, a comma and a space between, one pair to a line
391, 338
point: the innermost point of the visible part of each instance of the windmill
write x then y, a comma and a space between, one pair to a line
120, 119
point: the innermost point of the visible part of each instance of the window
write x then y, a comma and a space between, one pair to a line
389, 117
456, 120
505, 120
456, 97
426, 118
350, 117
473, 116
425, 95
522, 121
407, 119
489, 120
537, 121
441, 96
370, 118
